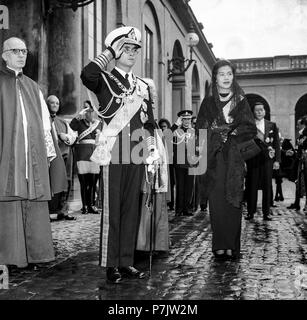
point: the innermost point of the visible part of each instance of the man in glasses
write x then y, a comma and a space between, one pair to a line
125, 105
26, 148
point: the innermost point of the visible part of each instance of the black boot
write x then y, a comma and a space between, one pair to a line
113, 275
84, 209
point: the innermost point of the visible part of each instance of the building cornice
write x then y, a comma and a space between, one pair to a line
271, 66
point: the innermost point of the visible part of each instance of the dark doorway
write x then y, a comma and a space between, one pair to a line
300, 110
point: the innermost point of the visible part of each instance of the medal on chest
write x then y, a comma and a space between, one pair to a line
143, 113
129, 99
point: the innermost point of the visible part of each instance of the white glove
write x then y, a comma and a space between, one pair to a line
179, 121
117, 46
153, 156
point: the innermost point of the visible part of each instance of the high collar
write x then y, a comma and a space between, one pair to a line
11, 71
123, 73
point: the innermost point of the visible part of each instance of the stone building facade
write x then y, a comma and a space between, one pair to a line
62, 40
281, 84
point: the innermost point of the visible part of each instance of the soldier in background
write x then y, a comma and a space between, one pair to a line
184, 134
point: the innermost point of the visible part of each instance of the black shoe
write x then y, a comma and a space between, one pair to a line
294, 206
267, 218
113, 275
273, 205
170, 206
203, 208
249, 217
232, 257
65, 217
132, 272
220, 256
69, 217
93, 209
84, 210
281, 198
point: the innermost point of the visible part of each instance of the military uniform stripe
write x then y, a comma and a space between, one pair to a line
105, 219
103, 59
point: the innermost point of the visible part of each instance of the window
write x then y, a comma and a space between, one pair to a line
91, 31
148, 53
98, 11
95, 28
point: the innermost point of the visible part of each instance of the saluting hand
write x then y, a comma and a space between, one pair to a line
117, 46
179, 121
81, 114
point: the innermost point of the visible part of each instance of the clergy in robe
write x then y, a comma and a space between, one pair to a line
26, 150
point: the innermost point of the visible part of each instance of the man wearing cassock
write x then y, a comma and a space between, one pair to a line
26, 147
61, 167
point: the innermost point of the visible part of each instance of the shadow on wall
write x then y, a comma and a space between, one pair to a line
69, 106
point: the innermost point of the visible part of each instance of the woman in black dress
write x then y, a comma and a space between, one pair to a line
229, 120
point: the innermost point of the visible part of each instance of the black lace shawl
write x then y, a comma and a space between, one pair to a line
241, 128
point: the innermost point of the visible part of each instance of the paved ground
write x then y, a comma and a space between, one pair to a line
272, 254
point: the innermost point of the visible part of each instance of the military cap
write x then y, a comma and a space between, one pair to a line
132, 35
186, 114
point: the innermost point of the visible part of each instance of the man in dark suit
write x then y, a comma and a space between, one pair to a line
126, 106
260, 168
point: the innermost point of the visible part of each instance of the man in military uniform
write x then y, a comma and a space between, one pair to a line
125, 105
184, 136
260, 167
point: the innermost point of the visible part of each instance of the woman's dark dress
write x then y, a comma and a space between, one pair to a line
224, 179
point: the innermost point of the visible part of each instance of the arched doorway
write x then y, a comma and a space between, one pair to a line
254, 98
195, 91
300, 110
178, 84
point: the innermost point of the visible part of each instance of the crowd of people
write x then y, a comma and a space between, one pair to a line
133, 168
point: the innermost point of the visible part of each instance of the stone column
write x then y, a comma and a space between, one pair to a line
65, 54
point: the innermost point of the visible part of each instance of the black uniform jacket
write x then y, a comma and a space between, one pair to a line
92, 78
270, 140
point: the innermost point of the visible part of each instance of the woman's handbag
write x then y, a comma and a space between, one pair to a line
248, 149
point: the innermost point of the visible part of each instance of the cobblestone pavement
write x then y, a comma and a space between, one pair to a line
272, 254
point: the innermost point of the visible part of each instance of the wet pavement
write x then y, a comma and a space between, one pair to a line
273, 256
